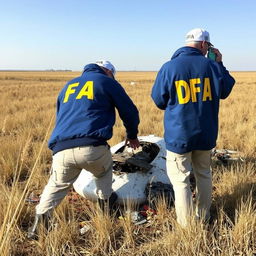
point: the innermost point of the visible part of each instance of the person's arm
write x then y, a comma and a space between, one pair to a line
128, 113
160, 93
226, 80
57, 106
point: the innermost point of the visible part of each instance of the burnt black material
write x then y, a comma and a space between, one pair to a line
147, 155
156, 191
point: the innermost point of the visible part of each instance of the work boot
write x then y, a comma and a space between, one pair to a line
108, 205
44, 219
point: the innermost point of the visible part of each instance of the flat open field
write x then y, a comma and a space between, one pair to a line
26, 120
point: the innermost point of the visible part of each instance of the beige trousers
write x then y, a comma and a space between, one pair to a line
66, 167
179, 167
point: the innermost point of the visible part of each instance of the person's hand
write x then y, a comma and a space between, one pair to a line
133, 143
218, 55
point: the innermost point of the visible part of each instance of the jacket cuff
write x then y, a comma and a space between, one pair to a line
132, 136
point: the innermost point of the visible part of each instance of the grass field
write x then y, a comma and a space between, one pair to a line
26, 121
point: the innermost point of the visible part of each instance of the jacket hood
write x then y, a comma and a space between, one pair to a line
93, 68
186, 50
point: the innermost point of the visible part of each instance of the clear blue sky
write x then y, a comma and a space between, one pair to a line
132, 34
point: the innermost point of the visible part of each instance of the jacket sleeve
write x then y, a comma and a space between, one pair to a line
60, 98
160, 93
57, 106
52, 142
127, 111
226, 81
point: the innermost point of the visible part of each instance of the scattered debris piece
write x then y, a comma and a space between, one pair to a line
146, 211
84, 227
136, 217
33, 198
226, 156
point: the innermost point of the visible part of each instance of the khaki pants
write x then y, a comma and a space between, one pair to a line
179, 167
66, 167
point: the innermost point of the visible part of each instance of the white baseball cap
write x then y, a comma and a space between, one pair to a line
106, 64
198, 34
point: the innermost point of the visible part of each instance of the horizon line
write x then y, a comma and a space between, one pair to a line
70, 70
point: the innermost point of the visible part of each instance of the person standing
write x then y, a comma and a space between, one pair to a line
189, 88
85, 118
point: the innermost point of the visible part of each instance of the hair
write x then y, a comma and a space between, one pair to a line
195, 44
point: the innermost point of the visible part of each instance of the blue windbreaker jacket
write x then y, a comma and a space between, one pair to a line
86, 111
189, 88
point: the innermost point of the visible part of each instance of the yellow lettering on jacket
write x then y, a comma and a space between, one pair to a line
207, 89
193, 88
182, 99
69, 91
87, 91
187, 92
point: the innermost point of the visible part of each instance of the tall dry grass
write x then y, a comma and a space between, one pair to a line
27, 108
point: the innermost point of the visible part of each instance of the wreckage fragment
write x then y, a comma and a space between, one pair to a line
226, 156
129, 160
132, 171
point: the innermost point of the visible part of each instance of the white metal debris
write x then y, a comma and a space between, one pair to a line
129, 186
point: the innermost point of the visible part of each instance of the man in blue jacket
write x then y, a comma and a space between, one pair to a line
85, 118
189, 88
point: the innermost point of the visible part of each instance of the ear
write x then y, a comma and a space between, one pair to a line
109, 73
205, 44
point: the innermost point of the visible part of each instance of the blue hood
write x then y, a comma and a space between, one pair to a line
93, 68
186, 51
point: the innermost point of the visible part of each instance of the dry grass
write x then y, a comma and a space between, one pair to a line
27, 108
